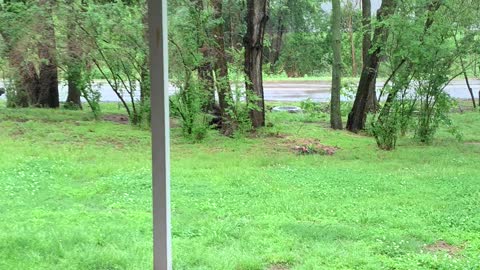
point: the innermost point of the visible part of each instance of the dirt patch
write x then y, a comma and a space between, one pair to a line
311, 146
17, 133
442, 246
301, 146
472, 143
175, 123
116, 118
15, 119
278, 267
273, 135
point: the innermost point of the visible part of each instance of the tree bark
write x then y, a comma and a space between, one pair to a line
358, 114
335, 114
372, 103
352, 41
277, 42
26, 81
74, 65
48, 96
367, 29
27, 84
220, 66
465, 75
205, 68
257, 17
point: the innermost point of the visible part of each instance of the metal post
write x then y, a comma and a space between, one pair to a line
157, 24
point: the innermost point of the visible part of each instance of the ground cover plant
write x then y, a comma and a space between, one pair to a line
76, 194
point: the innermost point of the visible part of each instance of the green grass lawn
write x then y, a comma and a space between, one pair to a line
76, 194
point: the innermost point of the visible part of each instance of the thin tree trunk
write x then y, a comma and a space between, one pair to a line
231, 25
74, 66
145, 89
257, 18
48, 96
205, 69
358, 115
335, 114
220, 67
205, 74
352, 42
277, 43
467, 81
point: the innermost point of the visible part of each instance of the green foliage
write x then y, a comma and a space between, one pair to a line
117, 34
305, 54
240, 103
423, 62
312, 110
189, 105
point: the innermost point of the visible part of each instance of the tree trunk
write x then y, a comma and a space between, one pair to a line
74, 66
27, 85
48, 95
465, 75
205, 68
205, 74
277, 43
352, 41
335, 114
257, 18
372, 103
220, 67
358, 115
26, 82
74, 77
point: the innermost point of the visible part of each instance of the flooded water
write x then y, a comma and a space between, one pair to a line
290, 91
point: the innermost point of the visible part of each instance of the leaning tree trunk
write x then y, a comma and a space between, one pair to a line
358, 114
335, 114
372, 103
465, 75
220, 66
257, 17
48, 96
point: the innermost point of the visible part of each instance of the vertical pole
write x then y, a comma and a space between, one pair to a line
157, 24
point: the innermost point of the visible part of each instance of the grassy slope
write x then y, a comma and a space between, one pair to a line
75, 194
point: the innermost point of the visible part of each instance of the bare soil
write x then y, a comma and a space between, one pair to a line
442, 246
116, 118
278, 267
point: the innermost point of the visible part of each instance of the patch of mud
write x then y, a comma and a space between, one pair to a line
15, 119
278, 267
312, 146
472, 143
442, 246
116, 118
17, 133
